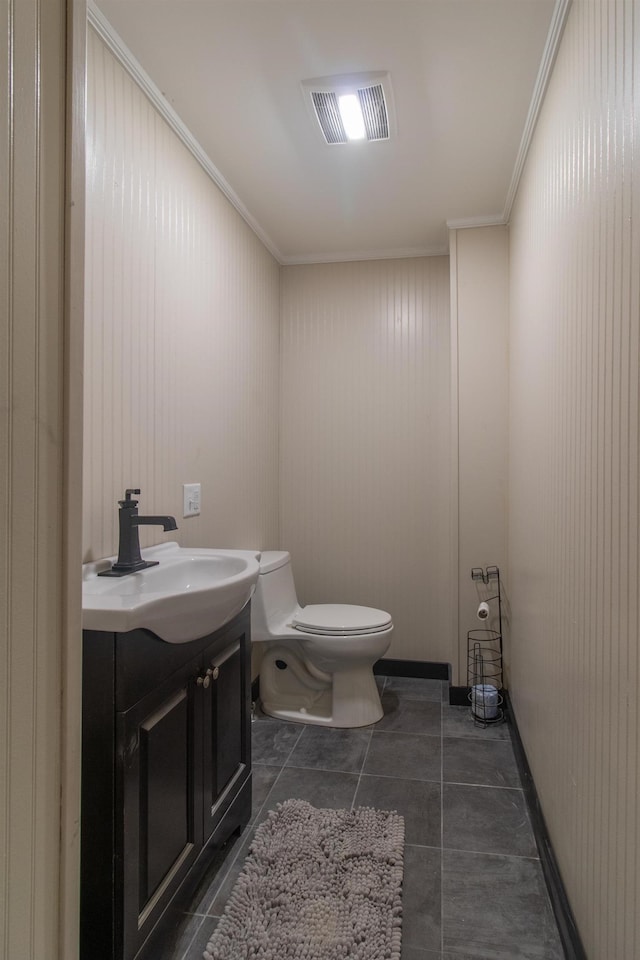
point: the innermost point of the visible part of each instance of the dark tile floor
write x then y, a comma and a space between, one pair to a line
473, 886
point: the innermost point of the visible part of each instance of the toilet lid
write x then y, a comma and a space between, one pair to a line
340, 619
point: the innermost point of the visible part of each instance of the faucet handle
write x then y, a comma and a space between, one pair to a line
128, 502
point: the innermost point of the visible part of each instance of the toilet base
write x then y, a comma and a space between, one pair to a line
346, 699
314, 710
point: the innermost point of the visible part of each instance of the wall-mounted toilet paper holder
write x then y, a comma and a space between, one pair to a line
491, 573
487, 576
484, 656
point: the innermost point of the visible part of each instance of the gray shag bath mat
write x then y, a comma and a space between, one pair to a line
317, 885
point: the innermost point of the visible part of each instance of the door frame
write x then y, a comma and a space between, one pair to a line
75, 68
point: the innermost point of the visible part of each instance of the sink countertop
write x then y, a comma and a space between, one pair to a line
189, 594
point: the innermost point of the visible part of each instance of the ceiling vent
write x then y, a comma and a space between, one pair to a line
370, 92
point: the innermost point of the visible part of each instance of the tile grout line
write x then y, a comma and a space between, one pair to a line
380, 776
489, 853
185, 955
477, 738
422, 846
485, 786
232, 862
282, 766
360, 775
223, 874
366, 753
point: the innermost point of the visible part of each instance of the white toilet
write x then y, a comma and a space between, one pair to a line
318, 665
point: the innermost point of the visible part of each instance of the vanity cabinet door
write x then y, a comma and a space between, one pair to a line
160, 774
227, 744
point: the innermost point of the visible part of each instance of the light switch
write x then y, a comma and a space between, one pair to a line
191, 495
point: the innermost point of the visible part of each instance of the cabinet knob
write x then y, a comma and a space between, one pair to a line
203, 681
214, 674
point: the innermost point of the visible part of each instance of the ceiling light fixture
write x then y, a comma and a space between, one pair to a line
355, 107
351, 115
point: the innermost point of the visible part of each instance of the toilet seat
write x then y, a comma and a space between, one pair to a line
340, 620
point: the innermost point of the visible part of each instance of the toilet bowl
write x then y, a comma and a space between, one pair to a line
317, 667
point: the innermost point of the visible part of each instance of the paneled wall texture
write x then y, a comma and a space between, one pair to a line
183, 374
313, 404
479, 323
574, 495
181, 342
365, 493
32, 337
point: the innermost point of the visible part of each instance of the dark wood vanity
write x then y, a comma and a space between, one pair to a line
166, 776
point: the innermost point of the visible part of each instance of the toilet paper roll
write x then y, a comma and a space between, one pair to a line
484, 701
483, 611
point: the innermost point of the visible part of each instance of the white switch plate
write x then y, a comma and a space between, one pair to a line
191, 497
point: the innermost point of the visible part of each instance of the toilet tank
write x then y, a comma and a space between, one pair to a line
274, 601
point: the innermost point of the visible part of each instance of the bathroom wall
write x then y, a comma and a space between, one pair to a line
181, 341
479, 324
574, 465
365, 488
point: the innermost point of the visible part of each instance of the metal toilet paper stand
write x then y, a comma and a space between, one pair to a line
484, 659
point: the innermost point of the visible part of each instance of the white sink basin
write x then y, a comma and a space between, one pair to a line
191, 592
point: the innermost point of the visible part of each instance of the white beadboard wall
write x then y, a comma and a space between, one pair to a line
574, 463
365, 442
479, 318
181, 340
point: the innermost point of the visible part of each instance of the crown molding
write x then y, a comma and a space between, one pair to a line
122, 53
549, 54
407, 253
124, 56
492, 220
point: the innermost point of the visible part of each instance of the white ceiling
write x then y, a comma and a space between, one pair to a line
463, 75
